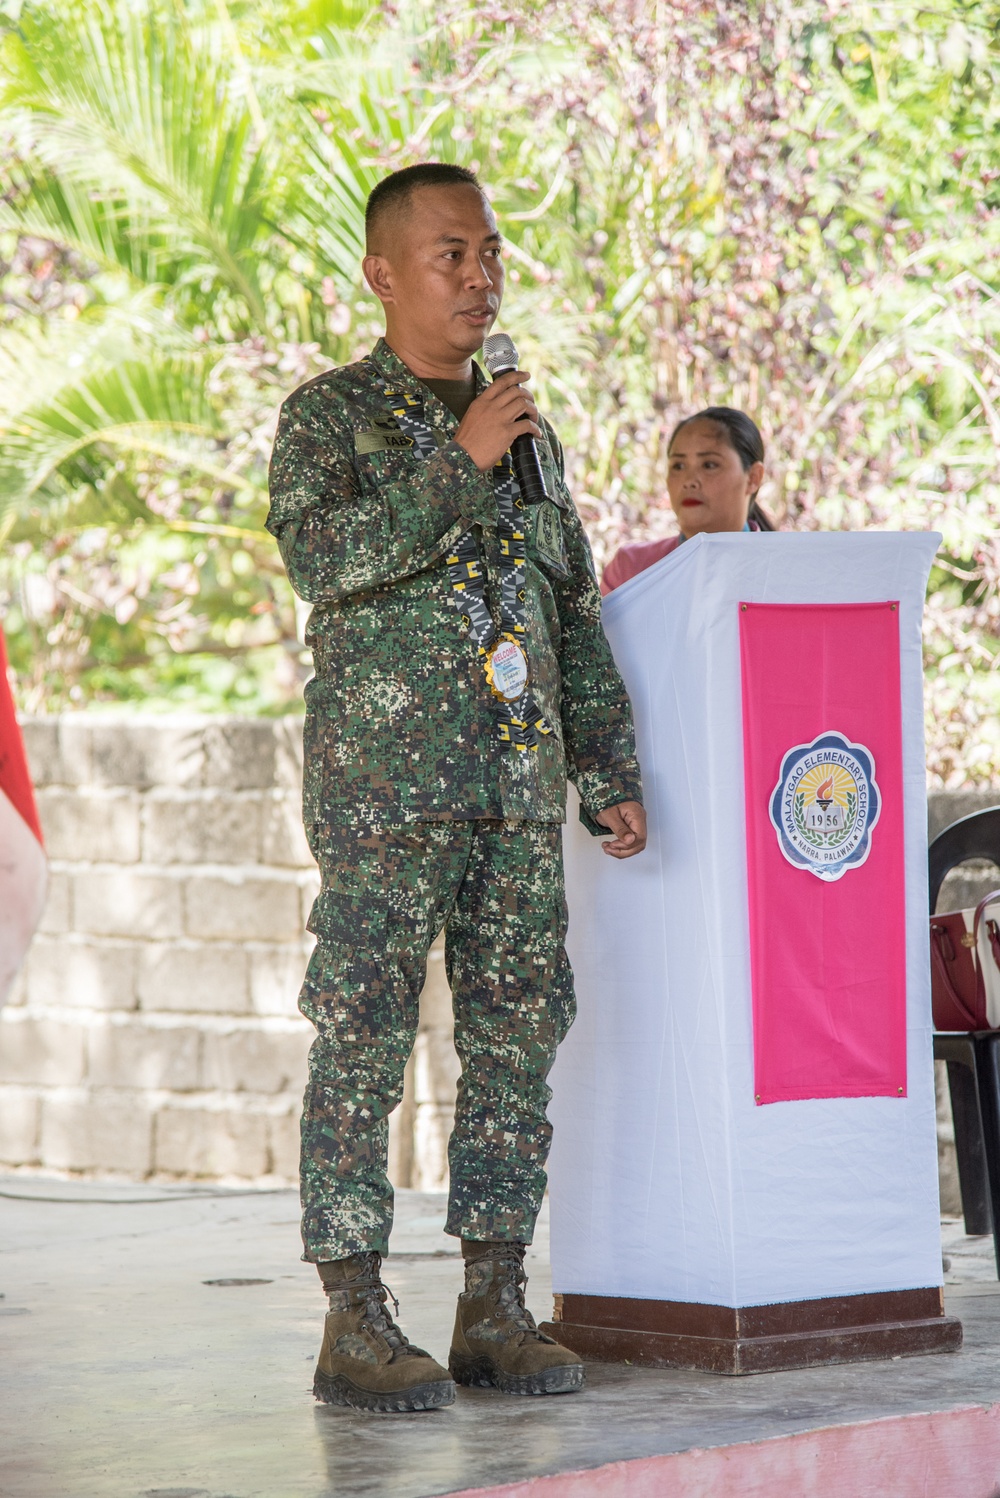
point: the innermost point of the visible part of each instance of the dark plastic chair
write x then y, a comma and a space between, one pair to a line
973, 1059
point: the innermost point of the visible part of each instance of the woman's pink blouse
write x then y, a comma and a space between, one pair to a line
633, 558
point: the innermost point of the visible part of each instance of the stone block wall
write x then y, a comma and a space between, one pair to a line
153, 1030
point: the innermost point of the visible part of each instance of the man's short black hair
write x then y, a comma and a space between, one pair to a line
394, 192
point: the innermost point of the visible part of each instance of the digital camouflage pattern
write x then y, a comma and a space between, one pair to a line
418, 815
400, 723
386, 894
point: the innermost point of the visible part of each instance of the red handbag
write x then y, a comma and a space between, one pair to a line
965, 968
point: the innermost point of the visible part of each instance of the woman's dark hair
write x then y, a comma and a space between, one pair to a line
746, 442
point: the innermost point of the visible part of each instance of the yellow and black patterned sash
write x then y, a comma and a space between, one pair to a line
521, 723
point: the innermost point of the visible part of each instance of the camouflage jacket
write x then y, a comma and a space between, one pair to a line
400, 722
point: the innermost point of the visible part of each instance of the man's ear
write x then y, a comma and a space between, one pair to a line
378, 274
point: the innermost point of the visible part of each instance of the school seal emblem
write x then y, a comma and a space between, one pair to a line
825, 805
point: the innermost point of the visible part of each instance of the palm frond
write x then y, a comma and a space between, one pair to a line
125, 121
160, 408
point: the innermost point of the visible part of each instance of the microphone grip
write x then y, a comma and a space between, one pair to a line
528, 468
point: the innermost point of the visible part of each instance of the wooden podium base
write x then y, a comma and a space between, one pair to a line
755, 1339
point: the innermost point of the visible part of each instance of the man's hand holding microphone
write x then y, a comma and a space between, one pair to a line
504, 412
514, 421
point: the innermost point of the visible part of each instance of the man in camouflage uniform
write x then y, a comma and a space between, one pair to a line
435, 782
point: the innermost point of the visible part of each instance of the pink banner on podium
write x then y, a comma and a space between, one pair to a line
822, 745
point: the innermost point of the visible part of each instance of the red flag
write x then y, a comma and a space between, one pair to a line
822, 734
22, 856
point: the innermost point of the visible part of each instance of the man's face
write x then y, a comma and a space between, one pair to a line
442, 275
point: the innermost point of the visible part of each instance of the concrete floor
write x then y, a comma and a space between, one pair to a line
124, 1375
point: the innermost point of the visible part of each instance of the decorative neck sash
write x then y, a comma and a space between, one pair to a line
500, 640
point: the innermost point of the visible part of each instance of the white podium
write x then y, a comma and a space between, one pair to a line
692, 1224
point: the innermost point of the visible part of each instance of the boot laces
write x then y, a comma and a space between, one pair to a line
510, 1297
376, 1290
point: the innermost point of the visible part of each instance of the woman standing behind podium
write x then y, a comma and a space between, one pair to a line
715, 467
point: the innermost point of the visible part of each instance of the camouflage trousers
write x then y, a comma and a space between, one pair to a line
497, 890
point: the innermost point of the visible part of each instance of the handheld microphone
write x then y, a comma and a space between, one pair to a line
499, 356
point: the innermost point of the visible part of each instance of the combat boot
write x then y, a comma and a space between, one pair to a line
365, 1361
496, 1343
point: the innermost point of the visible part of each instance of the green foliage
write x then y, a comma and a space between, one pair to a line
787, 207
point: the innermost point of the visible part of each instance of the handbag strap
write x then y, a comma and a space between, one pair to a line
981, 908
942, 967
992, 932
